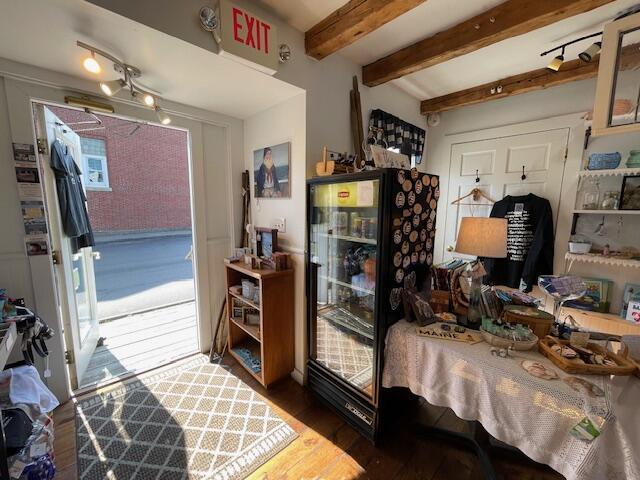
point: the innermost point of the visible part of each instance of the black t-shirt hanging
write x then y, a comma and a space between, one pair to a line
529, 242
71, 198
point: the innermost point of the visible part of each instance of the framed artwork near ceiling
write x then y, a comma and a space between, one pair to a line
271, 171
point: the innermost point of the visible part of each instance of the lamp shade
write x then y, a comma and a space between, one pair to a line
483, 237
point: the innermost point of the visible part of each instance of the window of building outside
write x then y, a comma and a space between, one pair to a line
94, 163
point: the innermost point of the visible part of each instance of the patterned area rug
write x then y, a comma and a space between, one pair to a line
192, 421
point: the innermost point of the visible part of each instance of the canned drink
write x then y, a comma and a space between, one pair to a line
365, 227
340, 221
373, 228
356, 225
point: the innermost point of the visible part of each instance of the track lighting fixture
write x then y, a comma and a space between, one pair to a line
162, 116
91, 65
112, 87
129, 80
590, 52
556, 63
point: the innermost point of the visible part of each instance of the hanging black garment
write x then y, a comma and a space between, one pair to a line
529, 242
71, 197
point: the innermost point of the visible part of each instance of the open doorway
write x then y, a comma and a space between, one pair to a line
127, 296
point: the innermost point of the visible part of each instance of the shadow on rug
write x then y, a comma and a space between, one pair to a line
193, 421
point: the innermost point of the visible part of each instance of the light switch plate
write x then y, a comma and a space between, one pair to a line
280, 224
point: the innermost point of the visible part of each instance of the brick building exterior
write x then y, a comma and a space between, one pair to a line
147, 172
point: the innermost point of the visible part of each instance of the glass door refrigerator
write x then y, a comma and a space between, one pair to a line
370, 234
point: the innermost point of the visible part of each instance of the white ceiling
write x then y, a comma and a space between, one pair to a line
44, 33
509, 57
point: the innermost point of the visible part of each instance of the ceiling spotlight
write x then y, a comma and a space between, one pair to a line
148, 100
208, 19
90, 64
590, 52
162, 116
284, 53
112, 87
144, 98
557, 62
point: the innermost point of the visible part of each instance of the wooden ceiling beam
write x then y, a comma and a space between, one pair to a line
509, 19
527, 82
352, 21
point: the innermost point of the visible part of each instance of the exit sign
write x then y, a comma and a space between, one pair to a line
248, 38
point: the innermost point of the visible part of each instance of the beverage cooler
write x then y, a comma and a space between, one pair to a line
369, 235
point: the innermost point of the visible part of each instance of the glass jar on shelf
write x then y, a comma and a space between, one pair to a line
590, 194
610, 201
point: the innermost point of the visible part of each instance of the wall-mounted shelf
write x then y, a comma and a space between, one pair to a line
601, 259
607, 212
609, 172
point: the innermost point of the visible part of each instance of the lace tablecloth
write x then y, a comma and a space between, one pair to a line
531, 414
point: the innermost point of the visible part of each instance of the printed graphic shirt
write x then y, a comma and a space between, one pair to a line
71, 197
529, 242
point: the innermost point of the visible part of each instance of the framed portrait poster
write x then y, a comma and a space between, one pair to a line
271, 171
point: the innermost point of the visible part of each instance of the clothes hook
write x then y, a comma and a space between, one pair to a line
477, 177
524, 175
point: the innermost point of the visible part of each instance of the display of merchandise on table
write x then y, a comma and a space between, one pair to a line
512, 321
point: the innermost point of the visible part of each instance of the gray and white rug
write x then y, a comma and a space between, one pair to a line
192, 421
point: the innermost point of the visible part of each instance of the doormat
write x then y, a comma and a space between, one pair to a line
195, 420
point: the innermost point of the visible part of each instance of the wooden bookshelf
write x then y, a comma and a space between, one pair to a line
273, 340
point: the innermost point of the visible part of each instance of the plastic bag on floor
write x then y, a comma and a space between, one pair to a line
22, 385
35, 460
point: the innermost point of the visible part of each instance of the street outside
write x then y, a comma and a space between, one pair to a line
139, 274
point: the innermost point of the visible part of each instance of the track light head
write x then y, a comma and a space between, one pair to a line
91, 65
112, 87
162, 116
590, 52
556, 63
146, 99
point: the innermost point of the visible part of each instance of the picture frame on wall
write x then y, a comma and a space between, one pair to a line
271, 171
630, 194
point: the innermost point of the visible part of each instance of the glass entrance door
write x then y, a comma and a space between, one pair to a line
343, 247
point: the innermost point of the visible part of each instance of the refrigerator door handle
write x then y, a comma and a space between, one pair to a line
313, 307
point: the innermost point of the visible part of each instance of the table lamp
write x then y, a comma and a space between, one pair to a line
483, 237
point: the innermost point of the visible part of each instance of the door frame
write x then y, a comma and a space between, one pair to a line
198, 232
576, 125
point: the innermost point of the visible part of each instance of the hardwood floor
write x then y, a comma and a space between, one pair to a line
327, 448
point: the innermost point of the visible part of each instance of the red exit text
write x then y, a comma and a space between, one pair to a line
250, 31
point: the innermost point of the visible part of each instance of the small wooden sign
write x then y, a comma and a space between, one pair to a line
435, 331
